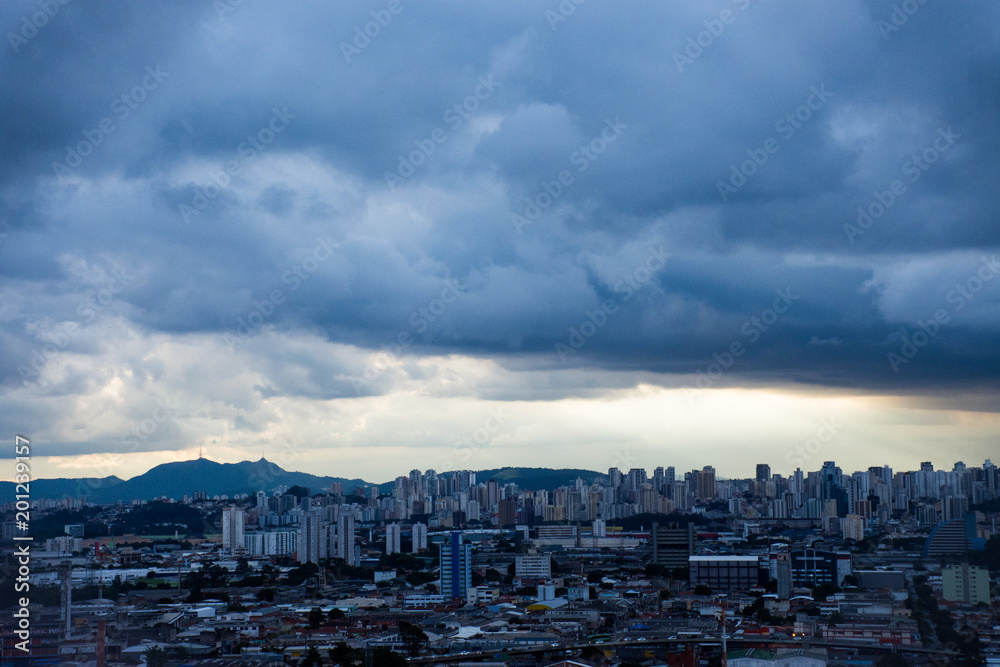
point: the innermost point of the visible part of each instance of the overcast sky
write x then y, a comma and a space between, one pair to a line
361, 238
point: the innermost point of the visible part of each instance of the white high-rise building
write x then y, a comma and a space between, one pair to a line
345, 538
853, 527
232, 530
599, 528
419, 537
392, 539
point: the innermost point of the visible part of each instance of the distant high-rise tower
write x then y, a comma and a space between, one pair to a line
763, 472
706, 483
232, 530
345, 538
419, 537
507, 512
456, 567
310, 534
392, 539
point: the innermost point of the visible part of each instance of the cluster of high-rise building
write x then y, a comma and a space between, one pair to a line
323, 525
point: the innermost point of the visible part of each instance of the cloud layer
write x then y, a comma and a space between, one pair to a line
353, 226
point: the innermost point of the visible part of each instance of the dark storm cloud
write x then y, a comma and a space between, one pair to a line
191, 95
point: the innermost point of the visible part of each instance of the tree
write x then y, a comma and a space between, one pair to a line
336, 614
345, 656
836, 618
891, 660
702, 589
414, 638
384, 657
312, 658
243, 568
822, 591
315, 617
269, 572
155, 656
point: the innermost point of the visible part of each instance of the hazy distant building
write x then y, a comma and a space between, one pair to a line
706, 483
763, 472
310, 538
953, 537
780, 565
853, 527
533, 566
345, 538
507, 512
393, 538
419, 537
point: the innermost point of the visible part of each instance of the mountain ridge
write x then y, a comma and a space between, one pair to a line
179, 478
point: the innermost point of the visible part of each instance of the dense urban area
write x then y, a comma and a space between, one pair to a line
874, 567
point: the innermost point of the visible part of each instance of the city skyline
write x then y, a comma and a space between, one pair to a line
445, 235
772, 473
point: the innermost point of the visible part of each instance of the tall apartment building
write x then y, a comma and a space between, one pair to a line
966, 583
310, 539
672, 545
232, 531
455, 578
345, 538
419, 537
706, 483
393, 535
533, 566
853, 527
